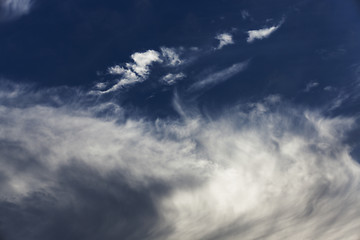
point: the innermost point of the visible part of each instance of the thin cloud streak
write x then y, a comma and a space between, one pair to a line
220, 76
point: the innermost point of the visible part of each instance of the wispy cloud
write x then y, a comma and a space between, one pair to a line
171, 78
134, 72
310, 86
220, 76
11, 9
170, 56
245, 14
224, 39
262, 33
270, 171
140, 69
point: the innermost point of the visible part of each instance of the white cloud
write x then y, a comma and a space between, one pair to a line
170, 78
254, 174
170, 56
143, 61
10, 9
225, 39
137, 71
218, 77
261, 33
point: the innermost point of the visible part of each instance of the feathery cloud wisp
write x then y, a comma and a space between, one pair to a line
262, 33
220, 76
170, 78
134, 72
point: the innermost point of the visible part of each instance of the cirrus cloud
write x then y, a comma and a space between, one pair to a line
260, 170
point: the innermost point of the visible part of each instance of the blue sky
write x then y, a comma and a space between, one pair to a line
152, 119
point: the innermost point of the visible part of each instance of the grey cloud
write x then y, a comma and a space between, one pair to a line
310, 86
261, 170
11, 9
245, 14
170, 78
171, 56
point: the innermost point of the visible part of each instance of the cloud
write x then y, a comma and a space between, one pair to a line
11, 9
260, 170
131, 73
139, 70
245, 14
170, 56
170, 78
218, 77
310, 86
142, 61
261, 33
274, 172
224, 39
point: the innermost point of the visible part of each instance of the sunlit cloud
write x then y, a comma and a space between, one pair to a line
262, 33
224, 39
261, 169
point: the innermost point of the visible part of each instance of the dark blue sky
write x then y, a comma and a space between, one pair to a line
69, 42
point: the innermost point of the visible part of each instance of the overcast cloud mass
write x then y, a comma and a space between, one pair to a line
136, 120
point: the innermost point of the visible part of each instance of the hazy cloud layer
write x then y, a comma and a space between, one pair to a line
261, 170
11, 9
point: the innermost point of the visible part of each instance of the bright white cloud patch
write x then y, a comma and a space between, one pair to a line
273, 173
142, 61
224, 39
261, 33
10, 9
137, 71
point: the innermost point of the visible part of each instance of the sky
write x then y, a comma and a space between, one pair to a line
179, 120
